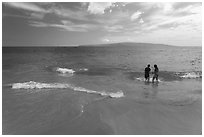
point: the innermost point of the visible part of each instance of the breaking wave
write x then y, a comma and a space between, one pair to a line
65, 70
191, 75
37, 85
143, 79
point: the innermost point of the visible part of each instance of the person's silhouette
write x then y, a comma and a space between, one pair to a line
147, 71
156, 73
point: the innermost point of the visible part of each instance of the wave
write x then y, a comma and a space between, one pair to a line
38, 85
191, 75
65, 70
143, 79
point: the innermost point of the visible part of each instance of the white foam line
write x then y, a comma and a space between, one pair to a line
65, 70
37, 85
191, 75
143, 79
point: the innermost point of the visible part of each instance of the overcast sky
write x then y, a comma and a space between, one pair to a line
67, 24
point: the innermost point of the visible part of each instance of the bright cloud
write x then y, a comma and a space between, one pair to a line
136, 15
168, 7
105, 40
190, 9
98, 7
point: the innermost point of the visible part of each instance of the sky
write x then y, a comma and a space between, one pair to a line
83, 23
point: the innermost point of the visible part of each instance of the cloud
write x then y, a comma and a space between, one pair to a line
167, 7
110, 18
40, 10
66, 22
115, 28
166, 16
166, 23
37, 15
181, 5
66, 26
31, 10
180, 36
116, 17
38, 24
190, 10
98, 7
14, 15
136, 15
141, 21
84, 4
105, 40
26, 6
68, 13
58, 26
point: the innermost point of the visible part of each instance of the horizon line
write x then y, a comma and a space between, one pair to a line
98, 44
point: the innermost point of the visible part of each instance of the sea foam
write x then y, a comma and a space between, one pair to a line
143, 79
191, 75
83, 69
38, 85
65, 70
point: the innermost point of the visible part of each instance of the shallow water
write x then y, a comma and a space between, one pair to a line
62, 90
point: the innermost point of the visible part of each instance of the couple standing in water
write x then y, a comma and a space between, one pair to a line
155, 72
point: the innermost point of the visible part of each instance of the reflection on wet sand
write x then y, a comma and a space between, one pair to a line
151, 92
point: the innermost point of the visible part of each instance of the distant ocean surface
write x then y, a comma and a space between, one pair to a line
47, 87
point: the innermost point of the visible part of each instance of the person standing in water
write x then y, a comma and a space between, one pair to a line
147, 71
156, 73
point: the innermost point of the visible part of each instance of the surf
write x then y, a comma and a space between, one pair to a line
38, 85
167, 76
191, 75
150, 79
65, 70
68, 72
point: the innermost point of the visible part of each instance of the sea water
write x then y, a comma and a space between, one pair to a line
46, 86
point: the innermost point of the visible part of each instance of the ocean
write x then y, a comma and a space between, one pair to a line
99, 90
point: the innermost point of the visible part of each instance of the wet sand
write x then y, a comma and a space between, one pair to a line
130, 115
146, 109
133, 118
170, 108
164, 109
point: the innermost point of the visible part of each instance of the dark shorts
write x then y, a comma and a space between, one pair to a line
146, 76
